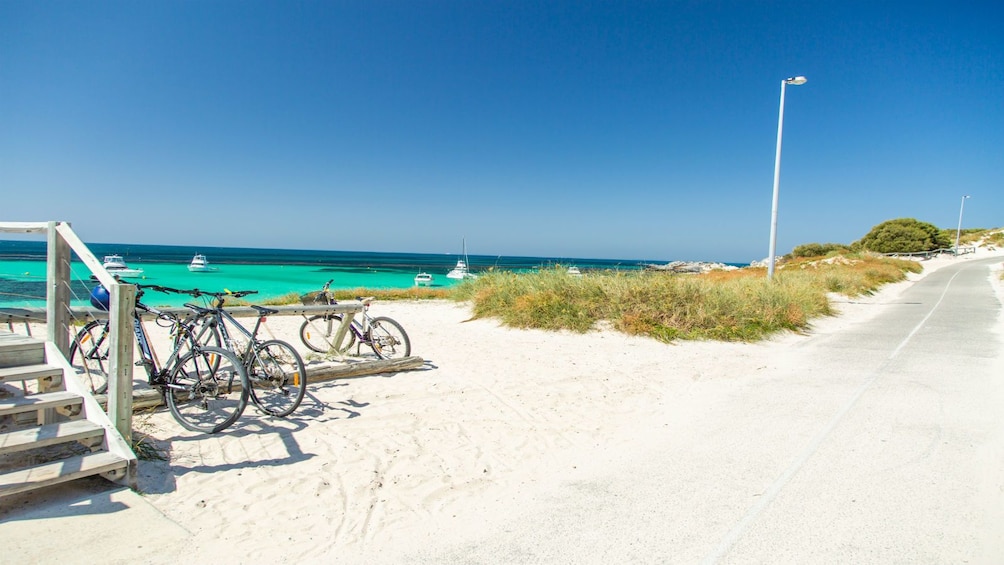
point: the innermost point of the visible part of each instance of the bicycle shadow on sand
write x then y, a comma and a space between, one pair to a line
174, 453
159, 475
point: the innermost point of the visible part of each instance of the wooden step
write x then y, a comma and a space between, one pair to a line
59, 472
17, 349
30, 372
33, 402
84, 431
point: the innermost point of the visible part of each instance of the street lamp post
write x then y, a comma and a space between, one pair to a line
777, 175
958, 232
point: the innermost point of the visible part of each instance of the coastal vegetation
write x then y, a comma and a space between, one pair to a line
904, 235
818, 249
737, 305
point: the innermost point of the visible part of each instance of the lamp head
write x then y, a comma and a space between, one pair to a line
796, 80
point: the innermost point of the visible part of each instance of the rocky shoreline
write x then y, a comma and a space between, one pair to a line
690, 267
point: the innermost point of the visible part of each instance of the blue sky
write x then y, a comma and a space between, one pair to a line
626, 130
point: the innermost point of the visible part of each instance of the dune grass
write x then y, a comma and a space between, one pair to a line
725, 305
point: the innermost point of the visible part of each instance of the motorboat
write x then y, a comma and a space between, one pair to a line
423, 279
200, 264
461, 270
574, 271
116, 266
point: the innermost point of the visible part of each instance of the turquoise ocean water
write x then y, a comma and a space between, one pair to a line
272, 272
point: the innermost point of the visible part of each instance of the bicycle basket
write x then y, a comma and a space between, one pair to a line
312, 298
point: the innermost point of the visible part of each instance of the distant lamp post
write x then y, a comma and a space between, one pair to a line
958, 232
799, 80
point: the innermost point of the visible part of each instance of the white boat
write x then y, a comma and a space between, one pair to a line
200, 264
574, 271
116, 266
423, 279
461, 271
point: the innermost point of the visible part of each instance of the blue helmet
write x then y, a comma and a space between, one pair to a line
100, 297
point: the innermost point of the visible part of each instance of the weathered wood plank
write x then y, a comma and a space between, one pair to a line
29, 372
36, 402
51, 434
24, 227
316, 372
326, 371
59, 472
16, 349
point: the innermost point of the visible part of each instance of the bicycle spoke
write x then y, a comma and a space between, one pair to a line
277, 376
206, 390
388, 339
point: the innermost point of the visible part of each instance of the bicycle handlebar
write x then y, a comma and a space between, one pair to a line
197, 293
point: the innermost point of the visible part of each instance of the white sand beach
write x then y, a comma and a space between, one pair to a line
373, 468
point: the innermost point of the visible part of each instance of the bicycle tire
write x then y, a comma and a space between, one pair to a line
203, 398
388, 339
318, 334
89, 355
277, 376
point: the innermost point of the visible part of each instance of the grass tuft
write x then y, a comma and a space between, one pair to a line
145, 448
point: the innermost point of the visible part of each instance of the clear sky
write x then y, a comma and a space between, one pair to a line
598, 129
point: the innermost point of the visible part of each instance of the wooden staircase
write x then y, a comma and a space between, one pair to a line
52, 430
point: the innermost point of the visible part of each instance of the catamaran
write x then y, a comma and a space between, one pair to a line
461, 270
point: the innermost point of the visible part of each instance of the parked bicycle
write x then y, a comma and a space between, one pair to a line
274, 368
384, 336
205, 387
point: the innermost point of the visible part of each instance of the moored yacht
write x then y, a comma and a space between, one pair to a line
116, 265
200, 264
423, 279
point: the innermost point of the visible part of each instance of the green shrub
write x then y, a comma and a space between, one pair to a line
904, 235
818, 249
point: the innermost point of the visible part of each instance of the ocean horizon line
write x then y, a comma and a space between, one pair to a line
173, 253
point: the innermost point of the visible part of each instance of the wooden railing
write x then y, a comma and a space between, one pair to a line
935, 252
61, 242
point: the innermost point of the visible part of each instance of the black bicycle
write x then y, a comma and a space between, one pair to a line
384, 336
274, 368
205, 387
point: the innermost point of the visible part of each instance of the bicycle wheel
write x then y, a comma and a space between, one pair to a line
89, 355
318, 333
278, 379
204, 399
388, 339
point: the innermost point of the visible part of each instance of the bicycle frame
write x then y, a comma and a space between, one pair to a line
219, 317
155, 371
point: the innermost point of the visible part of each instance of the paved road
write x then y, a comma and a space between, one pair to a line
880, 443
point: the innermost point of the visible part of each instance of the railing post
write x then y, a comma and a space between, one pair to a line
57, 296
120, 352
